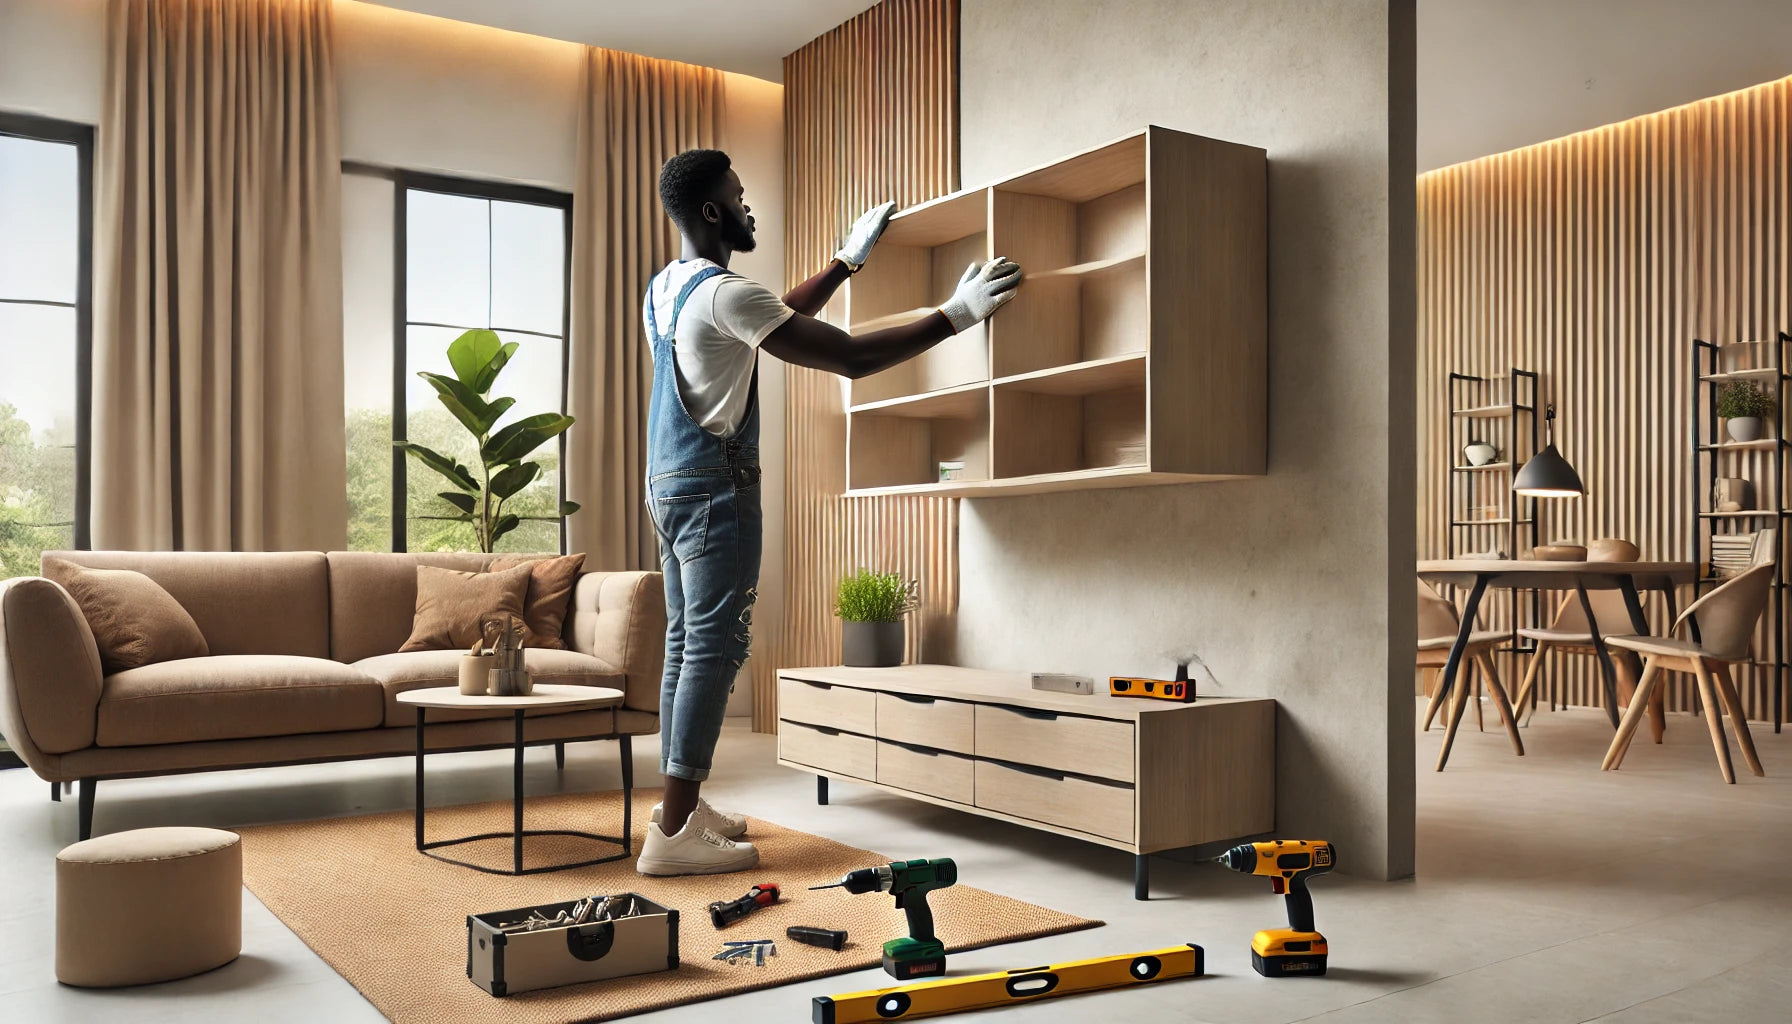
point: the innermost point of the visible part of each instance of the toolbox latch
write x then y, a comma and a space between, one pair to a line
591, 941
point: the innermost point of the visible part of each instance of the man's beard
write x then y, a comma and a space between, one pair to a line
738, 237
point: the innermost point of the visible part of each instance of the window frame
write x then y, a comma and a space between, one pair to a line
37, 128
474, 188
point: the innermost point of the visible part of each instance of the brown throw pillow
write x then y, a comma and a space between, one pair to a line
550, 592
134, 621
452, 605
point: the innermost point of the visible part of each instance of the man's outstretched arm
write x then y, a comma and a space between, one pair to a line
808, 298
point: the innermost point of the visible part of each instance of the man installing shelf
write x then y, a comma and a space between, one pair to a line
707, 326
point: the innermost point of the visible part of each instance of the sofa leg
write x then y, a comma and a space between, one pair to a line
560, 755
85, 811
56, 791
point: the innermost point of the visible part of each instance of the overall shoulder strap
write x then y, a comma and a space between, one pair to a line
690, 286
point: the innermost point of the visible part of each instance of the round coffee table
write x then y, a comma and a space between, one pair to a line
545, 695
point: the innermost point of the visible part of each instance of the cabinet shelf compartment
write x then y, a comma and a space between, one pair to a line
902, 442
1038, 433
918, 262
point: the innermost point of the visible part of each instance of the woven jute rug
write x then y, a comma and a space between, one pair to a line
393, 922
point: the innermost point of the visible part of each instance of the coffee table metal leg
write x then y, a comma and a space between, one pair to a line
417, 813
628, 793
516, 843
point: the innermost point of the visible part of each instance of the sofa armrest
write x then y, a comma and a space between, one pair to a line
50, 677
621, 618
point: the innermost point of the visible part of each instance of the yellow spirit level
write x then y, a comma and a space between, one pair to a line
1023, 986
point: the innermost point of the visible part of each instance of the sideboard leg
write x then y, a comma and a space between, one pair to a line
1141, 877
56, 791
821, 790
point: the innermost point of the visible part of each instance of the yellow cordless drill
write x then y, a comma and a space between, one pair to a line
1288, 863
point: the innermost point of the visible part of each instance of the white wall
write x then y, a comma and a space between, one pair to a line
1280, 584
1498, 74
429, 94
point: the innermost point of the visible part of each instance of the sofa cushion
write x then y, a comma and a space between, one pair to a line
550, 593
373, 597
134, 621
453, 606
260, 602
416, 670
235, 696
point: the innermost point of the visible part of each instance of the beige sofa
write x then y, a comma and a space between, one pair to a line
304, 668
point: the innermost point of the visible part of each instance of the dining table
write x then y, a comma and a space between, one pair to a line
1478, 575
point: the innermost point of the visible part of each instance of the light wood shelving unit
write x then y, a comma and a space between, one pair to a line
1135, 353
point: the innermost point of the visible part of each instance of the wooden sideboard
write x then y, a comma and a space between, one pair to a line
1134, 774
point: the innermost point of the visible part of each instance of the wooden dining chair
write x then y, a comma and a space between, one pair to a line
1569, 632
1726, 620
1438, 626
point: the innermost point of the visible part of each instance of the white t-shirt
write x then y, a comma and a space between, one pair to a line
719, 332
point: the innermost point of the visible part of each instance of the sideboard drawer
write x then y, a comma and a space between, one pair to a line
1088, 746
836, 753
941, 724
924, 770
837, 707
1067, 801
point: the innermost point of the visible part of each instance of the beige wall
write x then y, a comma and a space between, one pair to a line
1282, 584
1498, 74
429, 94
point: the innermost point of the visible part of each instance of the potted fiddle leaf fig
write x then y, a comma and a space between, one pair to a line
871, 606
1743, 404
477, 357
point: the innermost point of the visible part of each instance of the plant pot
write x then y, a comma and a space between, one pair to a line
1744, 428
474, 670
872, 644
1480, 453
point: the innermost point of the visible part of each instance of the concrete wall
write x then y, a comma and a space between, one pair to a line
429, 94
1282, 585
1498, 74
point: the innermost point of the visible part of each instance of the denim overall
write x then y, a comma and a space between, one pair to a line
703, 496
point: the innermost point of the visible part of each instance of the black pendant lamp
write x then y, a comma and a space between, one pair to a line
1548, 475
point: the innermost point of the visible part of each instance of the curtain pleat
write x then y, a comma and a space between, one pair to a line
870, 114
637, 113
218, 314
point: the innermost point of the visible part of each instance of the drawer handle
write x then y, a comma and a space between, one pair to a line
1043, 716
912, 699
1027, 769
913, 749
825, 731
811, 682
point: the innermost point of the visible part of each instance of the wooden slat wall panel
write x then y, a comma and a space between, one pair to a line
1595, 260
870, 114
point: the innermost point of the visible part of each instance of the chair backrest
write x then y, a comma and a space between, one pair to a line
1437, 617
1609, 611
1727, 615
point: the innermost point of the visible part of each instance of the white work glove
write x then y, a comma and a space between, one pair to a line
981, 291
865, 231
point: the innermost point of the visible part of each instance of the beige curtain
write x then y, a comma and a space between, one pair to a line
637, 113
870, 113
218, 420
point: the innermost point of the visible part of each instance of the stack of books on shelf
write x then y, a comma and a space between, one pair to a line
1731, 553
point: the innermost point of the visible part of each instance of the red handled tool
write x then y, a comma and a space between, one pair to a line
723, 913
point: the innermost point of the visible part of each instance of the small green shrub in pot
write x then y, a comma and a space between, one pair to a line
871, 606
1743, 404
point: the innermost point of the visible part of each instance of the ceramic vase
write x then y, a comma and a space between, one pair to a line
1744, 428
474, 669
1480, 453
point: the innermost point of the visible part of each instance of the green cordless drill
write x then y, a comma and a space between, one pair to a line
919, 955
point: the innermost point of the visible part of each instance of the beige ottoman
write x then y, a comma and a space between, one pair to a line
150, 905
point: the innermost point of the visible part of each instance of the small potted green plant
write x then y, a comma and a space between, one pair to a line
1743, 404
871, 606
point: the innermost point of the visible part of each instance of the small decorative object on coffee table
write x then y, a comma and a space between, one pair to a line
547, 695
871, 606
508, 676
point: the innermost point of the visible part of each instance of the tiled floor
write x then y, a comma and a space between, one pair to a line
1547, 891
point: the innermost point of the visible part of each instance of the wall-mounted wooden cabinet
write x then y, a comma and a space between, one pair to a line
1135, 352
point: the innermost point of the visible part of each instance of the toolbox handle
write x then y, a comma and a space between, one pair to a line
591, 941
1044, 716
912, 699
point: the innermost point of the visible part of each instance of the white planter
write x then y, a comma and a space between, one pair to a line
1480, 453
1744, 428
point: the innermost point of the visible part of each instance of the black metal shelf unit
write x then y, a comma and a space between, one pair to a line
1710, 449
1510, 401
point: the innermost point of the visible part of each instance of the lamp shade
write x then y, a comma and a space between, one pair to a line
1548, 475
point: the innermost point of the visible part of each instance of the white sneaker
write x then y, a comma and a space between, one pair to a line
695, 850
724, 824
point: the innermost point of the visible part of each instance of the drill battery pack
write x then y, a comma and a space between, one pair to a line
907, 959
1286, 953
1180, 690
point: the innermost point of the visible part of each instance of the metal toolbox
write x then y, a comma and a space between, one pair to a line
641, 937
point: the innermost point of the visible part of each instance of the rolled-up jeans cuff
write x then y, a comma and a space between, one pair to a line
679, 771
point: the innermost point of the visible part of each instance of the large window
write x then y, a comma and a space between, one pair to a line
462, 254
45, 328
